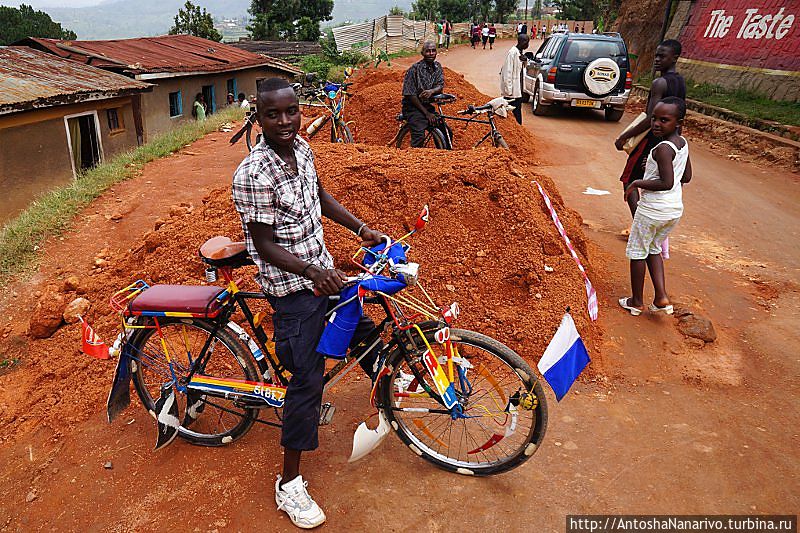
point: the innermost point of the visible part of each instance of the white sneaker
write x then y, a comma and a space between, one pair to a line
293, 498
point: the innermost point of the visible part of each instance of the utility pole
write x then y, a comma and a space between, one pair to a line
526, 12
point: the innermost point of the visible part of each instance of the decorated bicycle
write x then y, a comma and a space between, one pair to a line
459, 399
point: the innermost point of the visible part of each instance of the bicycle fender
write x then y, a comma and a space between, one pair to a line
365, 440
119, 397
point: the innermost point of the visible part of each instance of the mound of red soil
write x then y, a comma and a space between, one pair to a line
487, 245
376, 101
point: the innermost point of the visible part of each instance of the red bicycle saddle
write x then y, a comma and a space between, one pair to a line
194, 299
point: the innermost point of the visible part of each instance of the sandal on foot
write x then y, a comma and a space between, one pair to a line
635, 311
668, 309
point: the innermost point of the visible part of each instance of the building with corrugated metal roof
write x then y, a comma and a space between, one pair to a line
180, 67
57, 118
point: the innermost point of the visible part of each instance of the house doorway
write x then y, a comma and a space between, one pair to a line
208, 96
83, 140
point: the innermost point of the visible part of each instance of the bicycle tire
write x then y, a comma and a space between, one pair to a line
345, 135
433, 138
149, 370
253, 136
425, 433
500, 142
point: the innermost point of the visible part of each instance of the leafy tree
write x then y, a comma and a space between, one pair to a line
396, 10
291, 20
16, 24
195, 21
504, 8
425, 9
455, 10
576, 9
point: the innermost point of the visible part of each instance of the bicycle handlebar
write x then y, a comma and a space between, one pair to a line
471, 110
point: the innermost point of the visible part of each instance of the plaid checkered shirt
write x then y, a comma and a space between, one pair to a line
266, 190
421, 77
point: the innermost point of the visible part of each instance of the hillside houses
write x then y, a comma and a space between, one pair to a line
58, 117
180, 67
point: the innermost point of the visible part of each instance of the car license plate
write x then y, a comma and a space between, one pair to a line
586, 103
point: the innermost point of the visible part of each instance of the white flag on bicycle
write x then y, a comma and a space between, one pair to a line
565, 358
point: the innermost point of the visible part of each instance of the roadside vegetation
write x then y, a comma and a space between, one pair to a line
22, 238
742, 101
746, 103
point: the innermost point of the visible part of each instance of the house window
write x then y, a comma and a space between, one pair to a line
114, 120
175, 104
231, 86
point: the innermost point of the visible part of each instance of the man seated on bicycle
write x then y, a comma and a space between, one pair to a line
281, 203
423, 79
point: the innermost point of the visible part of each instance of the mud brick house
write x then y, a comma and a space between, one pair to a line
180, 66
58, 117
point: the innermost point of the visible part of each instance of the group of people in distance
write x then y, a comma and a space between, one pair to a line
487, 33
281, 202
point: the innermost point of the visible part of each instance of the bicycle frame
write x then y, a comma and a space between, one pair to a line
334, 106
492, 133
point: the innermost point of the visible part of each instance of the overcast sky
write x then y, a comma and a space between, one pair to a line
51, 3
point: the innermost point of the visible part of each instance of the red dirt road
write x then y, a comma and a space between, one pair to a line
669, 429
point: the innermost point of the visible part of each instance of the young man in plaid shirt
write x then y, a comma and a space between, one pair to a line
281, 203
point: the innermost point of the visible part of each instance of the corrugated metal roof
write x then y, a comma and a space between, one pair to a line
353, 36
276, 49
166, 53
31, 79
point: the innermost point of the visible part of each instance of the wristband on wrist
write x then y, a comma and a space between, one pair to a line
303, 273
360, 229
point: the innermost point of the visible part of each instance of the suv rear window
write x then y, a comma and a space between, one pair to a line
586, 51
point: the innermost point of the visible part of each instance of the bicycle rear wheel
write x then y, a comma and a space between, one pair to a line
206, 421
504, 407
253, 136
433, 138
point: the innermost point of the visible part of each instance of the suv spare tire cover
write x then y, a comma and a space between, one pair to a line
601, 76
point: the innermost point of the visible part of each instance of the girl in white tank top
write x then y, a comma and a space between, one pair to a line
664, 205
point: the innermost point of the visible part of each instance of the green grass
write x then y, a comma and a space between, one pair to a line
746, 103
22, 238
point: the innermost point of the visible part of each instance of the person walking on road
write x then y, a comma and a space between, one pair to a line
476, 34
512, 75
448, 28
440, 33
281, 202
485, 35
422, 80
667, 169
669, 83
492, 36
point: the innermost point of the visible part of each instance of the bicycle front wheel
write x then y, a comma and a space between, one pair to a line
206, 421
433, 138
504, 411
500, 142
340, 133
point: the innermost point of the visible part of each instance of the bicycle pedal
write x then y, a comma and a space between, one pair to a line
326, 413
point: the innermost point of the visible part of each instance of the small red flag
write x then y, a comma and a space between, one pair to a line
91, 343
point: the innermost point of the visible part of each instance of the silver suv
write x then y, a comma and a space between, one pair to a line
580, 70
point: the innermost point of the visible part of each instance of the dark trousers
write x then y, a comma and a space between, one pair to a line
517, 112
299, 319
417, 122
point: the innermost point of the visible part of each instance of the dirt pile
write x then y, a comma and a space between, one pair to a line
486, 247
376, 101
